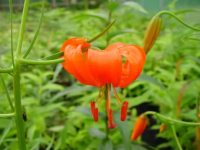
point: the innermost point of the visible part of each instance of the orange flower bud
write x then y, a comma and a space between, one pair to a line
139, 127
152, 33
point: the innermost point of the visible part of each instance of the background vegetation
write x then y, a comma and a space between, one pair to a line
57, 106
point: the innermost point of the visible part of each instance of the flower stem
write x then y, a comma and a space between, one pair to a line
102, 33
178, 19
41, 62
176, 137
170, 120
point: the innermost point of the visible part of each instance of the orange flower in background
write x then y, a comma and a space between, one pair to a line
139, 127
118, 66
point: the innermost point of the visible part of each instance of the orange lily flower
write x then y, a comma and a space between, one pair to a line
104, 68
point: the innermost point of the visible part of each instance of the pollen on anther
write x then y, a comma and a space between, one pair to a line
124, 109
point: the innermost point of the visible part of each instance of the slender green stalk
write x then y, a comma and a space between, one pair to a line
16, 81
7, 93
7, 115
178, 19
176, 137
18, 107
102, 33
41, 62
22, 27
36, 33
6, 70
170, 120
54, 56
11, 30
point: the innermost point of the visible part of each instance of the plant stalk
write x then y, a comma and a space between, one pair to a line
18, 107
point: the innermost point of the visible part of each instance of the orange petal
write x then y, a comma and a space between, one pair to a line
131, 69
105, 66
76, 63
75, 42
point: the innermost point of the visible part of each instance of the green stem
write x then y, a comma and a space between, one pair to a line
7, 93
36, 33
6, 70
178, 19
11, 29
18, 107
102, 33
16, 81
170, 120
176, 138
7, 115
41, 62
22, 27
54, 56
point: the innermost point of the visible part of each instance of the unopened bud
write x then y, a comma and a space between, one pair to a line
139, 127
152, 33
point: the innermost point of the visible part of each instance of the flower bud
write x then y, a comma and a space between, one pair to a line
152, 33
139, 127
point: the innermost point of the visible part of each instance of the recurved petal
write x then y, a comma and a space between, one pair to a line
76, 63
133, 65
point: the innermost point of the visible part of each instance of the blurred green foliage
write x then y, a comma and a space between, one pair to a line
57, 106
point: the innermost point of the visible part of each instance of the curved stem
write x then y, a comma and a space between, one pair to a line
6, 70
41, 62
102, 33
178, 19
7, 93
36, 33
7, 115
170, 120
176, 137
11, 29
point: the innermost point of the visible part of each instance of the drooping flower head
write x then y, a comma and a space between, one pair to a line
116, 66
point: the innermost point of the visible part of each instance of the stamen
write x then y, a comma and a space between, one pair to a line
124, 109
94, 111
100, 96
111, 124
116, 96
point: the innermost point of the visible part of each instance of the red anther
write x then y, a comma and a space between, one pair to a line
124, 109
94, 111
92, 107
111, 124
96, 115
